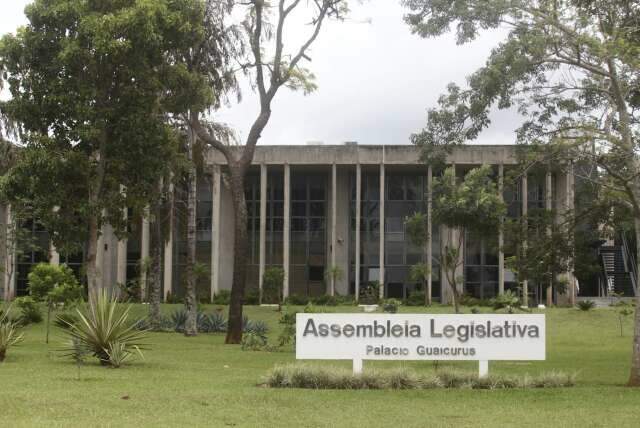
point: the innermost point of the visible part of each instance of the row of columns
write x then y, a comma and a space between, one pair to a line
9, 274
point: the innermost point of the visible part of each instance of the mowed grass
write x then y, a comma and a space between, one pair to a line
202, 382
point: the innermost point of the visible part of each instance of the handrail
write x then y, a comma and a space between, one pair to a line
630, 262
606, 275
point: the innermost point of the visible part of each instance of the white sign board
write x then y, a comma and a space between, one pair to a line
476, 337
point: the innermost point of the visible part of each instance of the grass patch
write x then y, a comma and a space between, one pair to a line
309, 376
200, 381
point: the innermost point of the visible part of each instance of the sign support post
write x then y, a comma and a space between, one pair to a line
357, 366
483, 369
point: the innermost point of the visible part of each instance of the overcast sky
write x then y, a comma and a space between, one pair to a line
375, 81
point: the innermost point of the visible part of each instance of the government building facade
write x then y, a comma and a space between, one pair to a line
320, 208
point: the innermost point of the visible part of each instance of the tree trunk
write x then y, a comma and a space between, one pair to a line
234, 331
190, 300
155, 277
92, 256
634, 377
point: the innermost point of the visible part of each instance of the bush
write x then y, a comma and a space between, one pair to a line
252, 297
29, 310
66, 320
105, 329
391, 306
370, 293
508, 300
296, 300
253, 342
586, 305
272, 284
258, 328
416, 298
9, 334
222, 298
325, 300
216, 323
345, 300
326, 377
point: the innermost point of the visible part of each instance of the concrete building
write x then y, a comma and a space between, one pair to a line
315, 207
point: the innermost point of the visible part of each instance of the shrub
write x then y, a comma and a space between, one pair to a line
222, 297
391, 305
345, 300
325, 300
253, 342
296, 300
416, 298
9, 334
29, 310
586, 305
65, 320
272, 284
178, 320
216, 323
252, 297
258, 328
370, 293
105, 329
324, 377
507, 300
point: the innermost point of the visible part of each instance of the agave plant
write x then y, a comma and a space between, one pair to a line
104, 328
216, 323
9, 334
178, 319
258, 328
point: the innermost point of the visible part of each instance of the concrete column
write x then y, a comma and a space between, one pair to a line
121, 269
358, 222
263, 225
54, 255
548, 205
216, 194
286, 235
145, 245
382, 228
10, 256
525, 203
429, 244
334, 214
167, 284
501, 233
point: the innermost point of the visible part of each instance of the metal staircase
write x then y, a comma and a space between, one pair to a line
618, 276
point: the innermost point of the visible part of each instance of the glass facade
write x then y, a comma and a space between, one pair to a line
404, 196
34, 249
308, 260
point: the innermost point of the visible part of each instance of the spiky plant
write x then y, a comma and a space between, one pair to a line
9, 334
104, 324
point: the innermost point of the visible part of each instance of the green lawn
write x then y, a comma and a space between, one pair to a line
201, 382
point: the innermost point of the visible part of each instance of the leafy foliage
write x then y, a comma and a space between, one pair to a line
30, 312
9, 333
586, 305
272, 285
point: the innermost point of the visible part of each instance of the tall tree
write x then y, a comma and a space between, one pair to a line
570, 67
90, 83
269, 74
471, 206
209, 64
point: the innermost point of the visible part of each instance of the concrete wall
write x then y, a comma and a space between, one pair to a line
342, 228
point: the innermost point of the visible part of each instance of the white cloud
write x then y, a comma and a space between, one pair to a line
376, 80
